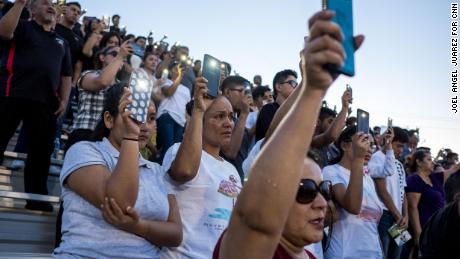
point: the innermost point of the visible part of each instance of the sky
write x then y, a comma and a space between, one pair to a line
402, 70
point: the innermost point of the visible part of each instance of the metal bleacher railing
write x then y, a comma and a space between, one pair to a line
26, 233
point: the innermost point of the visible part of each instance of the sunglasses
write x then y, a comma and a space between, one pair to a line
293, 83
112, 53
308, 190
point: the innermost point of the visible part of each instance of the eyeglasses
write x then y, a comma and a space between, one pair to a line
112, 53
308, 190
237, 89
293, 83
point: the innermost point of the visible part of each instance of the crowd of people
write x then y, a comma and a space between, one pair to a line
257, 172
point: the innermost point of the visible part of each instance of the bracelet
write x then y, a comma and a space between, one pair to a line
131, 139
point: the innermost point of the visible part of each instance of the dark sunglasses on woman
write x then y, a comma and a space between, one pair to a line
308, 190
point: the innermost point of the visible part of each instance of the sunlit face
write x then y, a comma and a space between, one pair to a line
398, 148
235, 94
151, 62
72, 14
305, 223
218, 123
117, 127
110, 56
113, 42
427, 163
284, 88
43, 10
149, 127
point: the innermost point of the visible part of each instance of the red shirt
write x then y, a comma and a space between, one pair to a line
280, 252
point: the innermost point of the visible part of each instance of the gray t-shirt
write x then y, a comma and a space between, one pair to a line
84, 231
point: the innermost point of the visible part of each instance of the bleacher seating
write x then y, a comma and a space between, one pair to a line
25, 233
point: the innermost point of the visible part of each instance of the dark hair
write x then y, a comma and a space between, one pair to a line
106, 38
452, 186
281, 76
111, 100
351, 121
377, 129
74, 3
326, 112
140, 37
419, 155
400, 135
97, 62
259, 91
128, 36
231, 82
451, 155
115, 15
345, 136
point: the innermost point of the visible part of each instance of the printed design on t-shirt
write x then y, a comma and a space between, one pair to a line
221, 213
229, 187
369, 213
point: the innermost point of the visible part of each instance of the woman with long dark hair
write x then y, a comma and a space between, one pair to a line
355, 234
115, 202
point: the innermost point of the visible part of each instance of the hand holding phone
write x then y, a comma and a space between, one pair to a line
141, 88
344, 18
212, 73
362, 121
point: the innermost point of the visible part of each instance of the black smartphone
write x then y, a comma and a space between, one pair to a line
211, 71
141, 88
363, 121
344, 18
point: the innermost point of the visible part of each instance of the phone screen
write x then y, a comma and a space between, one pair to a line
344, 18
363, 121
141, 88
211, 71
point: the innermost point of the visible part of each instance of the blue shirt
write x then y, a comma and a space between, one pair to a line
84, 231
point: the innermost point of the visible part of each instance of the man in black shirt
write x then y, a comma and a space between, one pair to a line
283, 85
35, 75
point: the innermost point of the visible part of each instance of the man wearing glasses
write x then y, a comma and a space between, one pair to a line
236, 152
284, 84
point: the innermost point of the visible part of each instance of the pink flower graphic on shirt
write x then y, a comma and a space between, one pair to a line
229, 187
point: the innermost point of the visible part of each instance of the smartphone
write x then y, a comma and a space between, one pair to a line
351, 93
390, 122
344, 18
137, 50
141, 88
211, 71
363, 121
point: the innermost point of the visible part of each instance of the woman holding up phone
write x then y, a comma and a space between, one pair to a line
355, 234
115, 202
282, 206
206, 185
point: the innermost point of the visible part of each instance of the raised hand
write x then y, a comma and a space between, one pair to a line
361, 145
323, 46
131, 128
200, 93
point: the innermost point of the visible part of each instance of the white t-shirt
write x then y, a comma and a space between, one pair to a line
85, 234
205, 203
175, 104
250, 158
379, 167
355, 236
252, 119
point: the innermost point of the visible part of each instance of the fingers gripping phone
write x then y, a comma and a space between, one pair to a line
344, 18
141, 88
211, 71
363, 121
